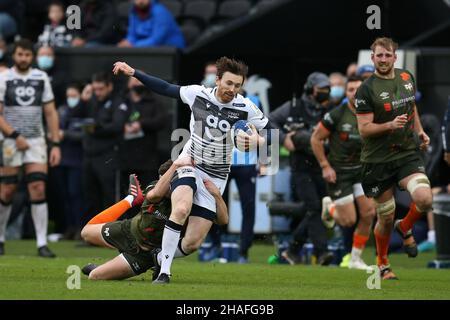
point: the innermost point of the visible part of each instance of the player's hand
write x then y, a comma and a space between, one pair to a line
246, 142
287, 143
21, 143
425, 140
447, 157
212, 188
329, 174
122, 67
55, 156
184, 161
399, 122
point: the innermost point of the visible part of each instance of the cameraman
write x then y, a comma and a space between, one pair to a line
296, 120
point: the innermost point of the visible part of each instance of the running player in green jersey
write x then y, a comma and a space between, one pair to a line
342, 172
392, 135
138, 239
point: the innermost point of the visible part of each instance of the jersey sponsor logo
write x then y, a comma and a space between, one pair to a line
25, 96
409, 86
402, 101
384, 95
405, 76
106, 232
387, 107
239, 105
214, 123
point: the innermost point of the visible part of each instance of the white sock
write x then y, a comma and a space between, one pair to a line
178, 253
169, 245
39, 213
5, 212
356, 253
432, 236
130, 199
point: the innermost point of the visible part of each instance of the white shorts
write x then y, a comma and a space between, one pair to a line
36, 153
202, 197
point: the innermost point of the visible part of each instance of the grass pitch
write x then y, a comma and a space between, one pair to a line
23, 275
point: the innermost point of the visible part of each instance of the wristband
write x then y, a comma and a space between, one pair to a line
14, 134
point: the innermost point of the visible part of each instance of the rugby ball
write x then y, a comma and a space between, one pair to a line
237, 127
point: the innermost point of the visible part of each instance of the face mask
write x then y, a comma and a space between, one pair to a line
322, 96
337, 92
45, 62
210, 80
72, 102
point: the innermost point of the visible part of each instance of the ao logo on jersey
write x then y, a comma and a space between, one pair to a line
25, 96
217, 128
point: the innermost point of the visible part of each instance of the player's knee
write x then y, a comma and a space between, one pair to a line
36, 184
181, 211
192, 245
424, 202
349, 221
367, 214
95, 275
86, 234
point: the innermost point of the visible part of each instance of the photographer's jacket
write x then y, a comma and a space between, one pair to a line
300, 115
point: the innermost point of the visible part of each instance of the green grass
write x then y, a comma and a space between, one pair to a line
23, 275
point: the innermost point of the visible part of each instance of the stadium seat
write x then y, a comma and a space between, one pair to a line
198, 11
175, 7
231, 9
190, 32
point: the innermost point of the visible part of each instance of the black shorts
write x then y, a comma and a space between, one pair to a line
379, 177
345, 180
118, 235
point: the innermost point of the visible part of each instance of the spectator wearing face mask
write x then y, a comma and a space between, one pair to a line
71, 161
296, 120
209, 77
337, 90
46, 61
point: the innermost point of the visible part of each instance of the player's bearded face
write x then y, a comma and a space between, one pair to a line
228, 86
384, 60
23, 59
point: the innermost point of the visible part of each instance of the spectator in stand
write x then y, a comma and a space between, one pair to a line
365, 71
46, 61
97, 24
150, 24
337, 91
4, 58
55, 33
351, 69
140, 135
71, 161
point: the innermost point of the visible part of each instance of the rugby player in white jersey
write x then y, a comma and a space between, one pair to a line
25, 96
213, 113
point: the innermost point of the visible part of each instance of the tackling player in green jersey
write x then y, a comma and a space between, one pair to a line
139, 239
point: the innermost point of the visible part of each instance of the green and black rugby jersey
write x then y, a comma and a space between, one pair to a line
344, 140
148, 225
387, 99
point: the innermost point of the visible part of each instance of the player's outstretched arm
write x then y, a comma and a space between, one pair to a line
153, 83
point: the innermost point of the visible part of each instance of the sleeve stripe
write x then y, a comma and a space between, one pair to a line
363, 114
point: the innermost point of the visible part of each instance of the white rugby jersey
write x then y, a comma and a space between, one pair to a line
210, 143
23, 98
